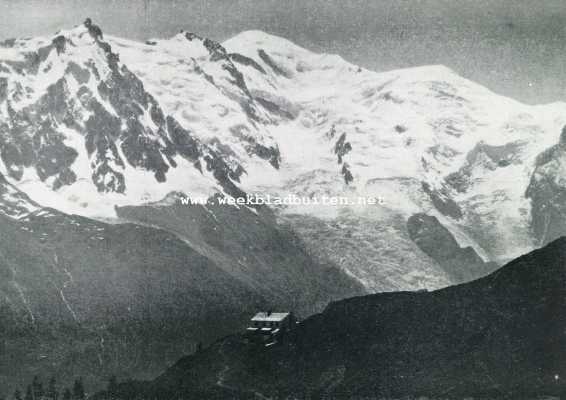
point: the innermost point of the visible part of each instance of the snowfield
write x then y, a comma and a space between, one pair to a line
280, 119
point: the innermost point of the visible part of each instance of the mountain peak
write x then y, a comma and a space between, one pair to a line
256, 39
252, 99
83, 116
432, 70
77, 36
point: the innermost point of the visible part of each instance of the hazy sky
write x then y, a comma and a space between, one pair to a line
514, 47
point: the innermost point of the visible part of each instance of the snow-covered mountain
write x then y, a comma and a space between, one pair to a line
87, 124
424, 139
79, 131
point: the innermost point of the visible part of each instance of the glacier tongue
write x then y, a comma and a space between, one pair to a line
89, 124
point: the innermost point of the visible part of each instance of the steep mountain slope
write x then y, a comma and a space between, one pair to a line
253, 248
80, 132
14, 203
110, 128
424, 139
349, 125
547, 193
461, 264
79, 297
196, 81
502, 336
262, 115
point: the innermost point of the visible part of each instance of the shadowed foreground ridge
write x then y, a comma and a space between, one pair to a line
499, 336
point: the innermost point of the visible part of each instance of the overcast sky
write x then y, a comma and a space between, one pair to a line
514, 47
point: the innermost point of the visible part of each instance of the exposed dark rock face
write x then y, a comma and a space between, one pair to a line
442, 201
547, 192
348, 177
250, 62
184, 142
254, 106
400, 129
462, 264
54, 158
277, 106
270, 153
219, 54
114, 114
122, 124
82, 75
486, 156
95, 31
14, 203
272, 64
28, 140
3, 89
502, 336
60, 43
342, 147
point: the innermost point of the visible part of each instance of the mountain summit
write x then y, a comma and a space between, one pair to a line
79, 126
91, 123
101, 138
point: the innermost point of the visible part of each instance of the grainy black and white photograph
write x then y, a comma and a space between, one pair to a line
282, 199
